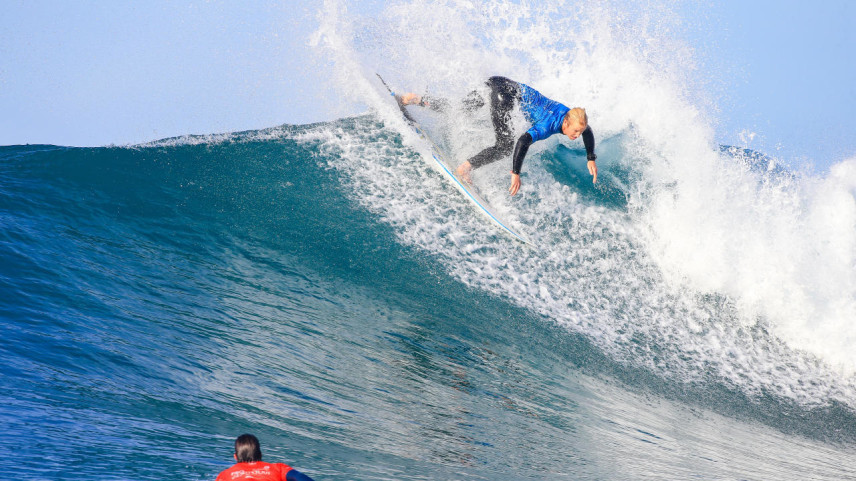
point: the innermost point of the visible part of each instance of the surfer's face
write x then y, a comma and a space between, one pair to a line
573, 129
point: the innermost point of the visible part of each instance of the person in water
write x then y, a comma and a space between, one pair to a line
248, 454
545, 116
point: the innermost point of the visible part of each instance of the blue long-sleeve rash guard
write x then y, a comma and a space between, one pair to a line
546, 116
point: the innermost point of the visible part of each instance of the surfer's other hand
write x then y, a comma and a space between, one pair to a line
592, 167
515, 183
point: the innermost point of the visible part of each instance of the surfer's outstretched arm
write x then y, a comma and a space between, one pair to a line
520, 150
588, 141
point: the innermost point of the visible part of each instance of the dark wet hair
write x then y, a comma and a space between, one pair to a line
247, 449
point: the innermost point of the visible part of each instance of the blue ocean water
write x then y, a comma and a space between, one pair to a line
690, 316
159, 300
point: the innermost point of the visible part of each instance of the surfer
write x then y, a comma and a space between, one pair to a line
248, 454
545, 116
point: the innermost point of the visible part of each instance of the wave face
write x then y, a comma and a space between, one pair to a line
322, 287
780, 248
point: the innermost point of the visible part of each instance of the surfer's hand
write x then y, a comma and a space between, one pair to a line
515, 183
410, 98
593, 170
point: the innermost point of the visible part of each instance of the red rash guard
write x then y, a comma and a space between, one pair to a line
258, 471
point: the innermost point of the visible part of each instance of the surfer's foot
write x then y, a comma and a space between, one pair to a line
463, 171
410, 98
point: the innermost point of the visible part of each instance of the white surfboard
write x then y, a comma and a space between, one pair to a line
440, 161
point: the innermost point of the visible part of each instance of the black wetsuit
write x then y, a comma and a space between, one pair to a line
545, 115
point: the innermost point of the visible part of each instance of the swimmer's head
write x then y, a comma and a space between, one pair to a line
247, 449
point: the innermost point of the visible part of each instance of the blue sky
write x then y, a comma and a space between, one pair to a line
98, 72
790, 74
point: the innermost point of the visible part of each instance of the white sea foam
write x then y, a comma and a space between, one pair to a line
714, 266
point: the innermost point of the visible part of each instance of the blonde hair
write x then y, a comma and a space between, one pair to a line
578, 114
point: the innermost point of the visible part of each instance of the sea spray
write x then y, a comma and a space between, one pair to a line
700, 277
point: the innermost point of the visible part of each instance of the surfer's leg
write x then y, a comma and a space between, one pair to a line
473, 101
503, 94
437, 104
